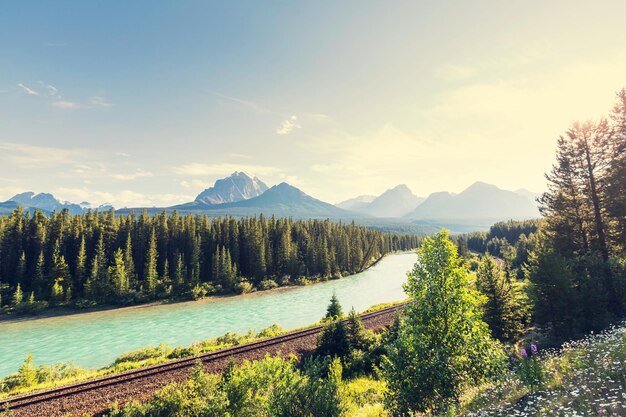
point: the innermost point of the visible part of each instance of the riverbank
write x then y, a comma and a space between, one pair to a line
95, 339
68, 311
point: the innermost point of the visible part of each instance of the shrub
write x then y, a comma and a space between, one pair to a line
267, 284
149, 352
244, 287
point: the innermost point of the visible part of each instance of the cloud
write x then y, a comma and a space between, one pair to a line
99, 101
65, 105
245, 103
193, 184
28, 90
196, 169
139, 173
32, 157
288, 126
52, 90
123, 198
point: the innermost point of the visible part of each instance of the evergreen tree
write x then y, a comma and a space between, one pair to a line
442, 344
334, 309
150, 270
118, 274
81, 262
57, 293
501, 312
333, 339
129, 264
18, 295
356, 331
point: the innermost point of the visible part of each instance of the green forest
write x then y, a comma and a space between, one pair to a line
108, 259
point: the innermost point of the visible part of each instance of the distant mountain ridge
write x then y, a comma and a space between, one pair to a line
240, 194
395, 202
356, 203
282, 200
238, 186
479, 201
47, 203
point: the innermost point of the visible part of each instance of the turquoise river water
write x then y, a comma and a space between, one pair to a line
95, 339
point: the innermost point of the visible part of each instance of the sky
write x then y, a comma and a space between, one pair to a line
147, 103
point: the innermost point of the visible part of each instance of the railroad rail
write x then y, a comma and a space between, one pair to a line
24, 401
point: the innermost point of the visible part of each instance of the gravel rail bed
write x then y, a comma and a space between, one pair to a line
96, 396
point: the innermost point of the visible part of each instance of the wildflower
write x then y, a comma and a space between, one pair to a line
522, 352
533, 348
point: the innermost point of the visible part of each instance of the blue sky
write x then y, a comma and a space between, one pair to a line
148, 102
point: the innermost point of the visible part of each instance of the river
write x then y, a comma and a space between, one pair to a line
95, 339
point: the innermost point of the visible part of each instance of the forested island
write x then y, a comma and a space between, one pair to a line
107, 259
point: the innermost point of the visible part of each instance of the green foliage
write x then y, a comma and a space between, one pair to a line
102, 258
333, 339
334, 309
142, 354
30, 375
18, 296
443, 346
583, 378
501, 311
200, 396
269, 387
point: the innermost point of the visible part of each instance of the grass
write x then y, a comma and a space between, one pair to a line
583, 378
32, 378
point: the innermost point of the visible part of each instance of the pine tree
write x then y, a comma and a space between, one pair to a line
129, 264
501, 311
118, 274
334, 309
80, 268
18, 295
57, 293
150, 270
356, 331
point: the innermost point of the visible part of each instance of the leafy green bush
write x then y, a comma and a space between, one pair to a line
267, 284
244, 287
143, 354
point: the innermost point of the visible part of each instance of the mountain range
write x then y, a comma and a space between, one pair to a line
397, 209
47, 203
395, 202
237, 187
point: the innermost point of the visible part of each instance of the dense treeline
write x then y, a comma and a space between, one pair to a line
104, 258
500, 236
578, 269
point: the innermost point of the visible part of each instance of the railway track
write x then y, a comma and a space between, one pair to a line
67, 396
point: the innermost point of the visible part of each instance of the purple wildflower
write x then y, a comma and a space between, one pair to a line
533, 348
522, 352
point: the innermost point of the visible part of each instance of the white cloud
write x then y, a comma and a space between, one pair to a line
257, 108
139, 173
65, 105
288, 126
33, 157
124, 198
196, 169
99, 101
28, 90
52, 90
193, 184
